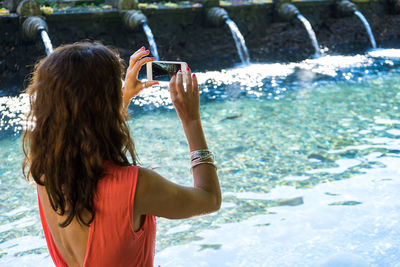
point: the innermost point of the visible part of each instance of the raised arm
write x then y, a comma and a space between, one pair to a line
157, 196
132, 85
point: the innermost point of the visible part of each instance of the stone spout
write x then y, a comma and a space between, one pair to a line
28, 8
32, 26
216, 16
133, 19
288, 11
346, 8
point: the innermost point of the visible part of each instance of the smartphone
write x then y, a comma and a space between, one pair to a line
163, 71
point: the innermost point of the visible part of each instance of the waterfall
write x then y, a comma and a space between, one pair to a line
152, 42
311, 34
46, 41
239, 41
367, 27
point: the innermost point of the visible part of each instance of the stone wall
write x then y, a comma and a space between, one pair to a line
182, 34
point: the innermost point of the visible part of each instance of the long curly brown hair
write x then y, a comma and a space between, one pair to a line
75, 123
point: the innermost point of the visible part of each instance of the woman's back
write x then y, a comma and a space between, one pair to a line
111, 234
71, 241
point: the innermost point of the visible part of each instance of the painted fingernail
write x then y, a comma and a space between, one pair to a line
147, 51
187, 69
179, 71
141, 48
194, 75
156, 83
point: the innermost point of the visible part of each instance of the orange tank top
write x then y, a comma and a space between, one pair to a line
112, 241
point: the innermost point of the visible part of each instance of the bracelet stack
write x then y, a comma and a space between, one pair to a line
202, 156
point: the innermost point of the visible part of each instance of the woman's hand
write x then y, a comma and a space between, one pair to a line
187, 103
132, 85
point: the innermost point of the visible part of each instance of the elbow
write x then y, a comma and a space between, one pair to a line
212, 204
216, 203
217, 199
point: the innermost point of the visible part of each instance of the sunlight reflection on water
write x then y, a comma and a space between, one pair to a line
308, 180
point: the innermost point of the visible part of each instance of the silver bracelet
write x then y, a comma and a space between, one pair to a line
208, 158
201, 155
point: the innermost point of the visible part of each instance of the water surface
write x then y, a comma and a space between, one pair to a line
308, 156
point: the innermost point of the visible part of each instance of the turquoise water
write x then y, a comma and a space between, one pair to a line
309, 163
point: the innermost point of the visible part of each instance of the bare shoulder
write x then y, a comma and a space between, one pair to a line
160, 197
150, 182
145, 173
147, 178
156, 195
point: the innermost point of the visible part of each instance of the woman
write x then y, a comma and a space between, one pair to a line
97, 208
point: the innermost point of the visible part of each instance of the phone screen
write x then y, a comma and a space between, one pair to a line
164, 71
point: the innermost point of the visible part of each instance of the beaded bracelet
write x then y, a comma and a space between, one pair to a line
202, 156
209, 159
